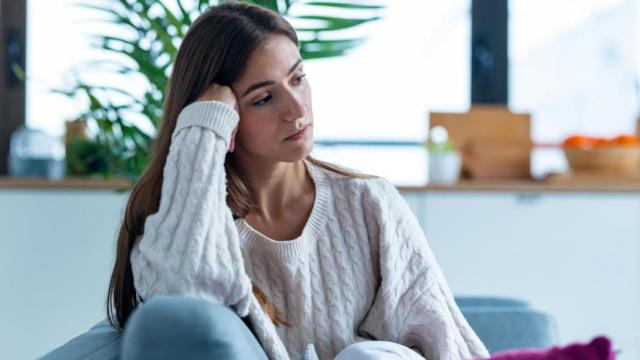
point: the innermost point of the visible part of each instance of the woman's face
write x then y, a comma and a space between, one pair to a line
274, 100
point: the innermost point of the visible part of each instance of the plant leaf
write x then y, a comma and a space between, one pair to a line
345, 5
333, 23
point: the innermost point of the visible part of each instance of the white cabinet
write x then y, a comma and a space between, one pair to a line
56, 255
576, 256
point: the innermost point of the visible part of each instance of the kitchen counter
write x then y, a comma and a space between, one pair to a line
511, 185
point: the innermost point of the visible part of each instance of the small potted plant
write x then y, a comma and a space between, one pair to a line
445, 162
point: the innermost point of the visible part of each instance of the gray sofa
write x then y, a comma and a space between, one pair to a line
501, 323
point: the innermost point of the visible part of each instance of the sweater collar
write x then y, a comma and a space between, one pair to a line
256, 242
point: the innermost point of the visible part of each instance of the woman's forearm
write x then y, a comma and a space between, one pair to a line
190, 246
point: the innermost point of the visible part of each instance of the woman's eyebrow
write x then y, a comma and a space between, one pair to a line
270, 82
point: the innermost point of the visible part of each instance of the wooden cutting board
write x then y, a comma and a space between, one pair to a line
494, 142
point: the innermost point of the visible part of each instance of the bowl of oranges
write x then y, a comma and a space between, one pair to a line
619, 154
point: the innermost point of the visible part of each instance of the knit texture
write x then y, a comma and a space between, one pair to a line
361, 269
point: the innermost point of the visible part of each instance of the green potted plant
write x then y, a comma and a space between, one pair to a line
118, 147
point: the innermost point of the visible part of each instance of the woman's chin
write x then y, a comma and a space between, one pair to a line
297, 153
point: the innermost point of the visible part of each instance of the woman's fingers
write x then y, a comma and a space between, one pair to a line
220, 93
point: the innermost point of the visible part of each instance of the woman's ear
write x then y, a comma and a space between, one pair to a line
232, 143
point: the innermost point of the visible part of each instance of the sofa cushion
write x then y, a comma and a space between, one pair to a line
100, 342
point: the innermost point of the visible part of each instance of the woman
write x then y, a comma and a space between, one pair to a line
233, 210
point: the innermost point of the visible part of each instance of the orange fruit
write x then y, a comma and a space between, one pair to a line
600, 142
626, 140
578, 141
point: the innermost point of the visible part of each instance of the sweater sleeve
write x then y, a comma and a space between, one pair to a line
413, 305
190, 246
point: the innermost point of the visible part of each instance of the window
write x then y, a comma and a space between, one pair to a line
415, 61
59, 50
574, 67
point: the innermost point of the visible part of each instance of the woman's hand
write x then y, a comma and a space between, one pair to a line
223, 94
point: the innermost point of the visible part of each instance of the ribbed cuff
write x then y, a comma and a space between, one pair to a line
214, 115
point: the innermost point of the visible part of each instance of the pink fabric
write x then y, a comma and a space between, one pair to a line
598, 349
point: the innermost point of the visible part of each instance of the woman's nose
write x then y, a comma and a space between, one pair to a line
296, 109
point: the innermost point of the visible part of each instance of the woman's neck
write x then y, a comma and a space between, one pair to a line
277, 188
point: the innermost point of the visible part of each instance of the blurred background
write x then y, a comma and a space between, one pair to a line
509, 126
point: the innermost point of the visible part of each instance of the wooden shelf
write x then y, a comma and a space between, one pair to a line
532, 186
622, 185
68, 183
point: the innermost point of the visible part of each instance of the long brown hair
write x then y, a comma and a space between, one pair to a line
214, 50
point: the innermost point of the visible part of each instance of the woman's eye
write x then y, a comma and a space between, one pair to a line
299, 79
263, 101
266, 99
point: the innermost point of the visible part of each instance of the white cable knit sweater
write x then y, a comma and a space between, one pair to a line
361, 269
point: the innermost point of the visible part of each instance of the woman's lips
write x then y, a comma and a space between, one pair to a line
299, 134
